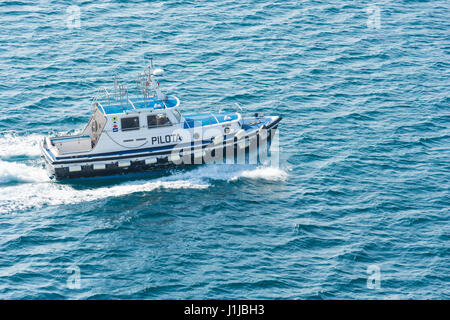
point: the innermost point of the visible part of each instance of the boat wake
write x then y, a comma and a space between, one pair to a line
36, 195
264, 173
25, 187
13, 145
13, 172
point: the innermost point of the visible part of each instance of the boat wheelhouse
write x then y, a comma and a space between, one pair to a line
148, 132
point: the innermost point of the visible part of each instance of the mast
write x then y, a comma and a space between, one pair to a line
152, 74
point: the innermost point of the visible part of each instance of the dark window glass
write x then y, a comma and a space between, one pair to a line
151, 121
163, 120
130, 123
158, 120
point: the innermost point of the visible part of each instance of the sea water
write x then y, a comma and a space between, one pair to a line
357, 207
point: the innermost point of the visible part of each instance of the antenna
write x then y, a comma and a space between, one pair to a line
239, 106
137, 88
115, 87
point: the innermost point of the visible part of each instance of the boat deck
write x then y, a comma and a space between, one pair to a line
254, 123
206, 119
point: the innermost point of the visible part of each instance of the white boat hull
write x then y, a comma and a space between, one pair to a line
236, 147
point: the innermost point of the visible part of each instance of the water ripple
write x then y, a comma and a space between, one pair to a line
364, 175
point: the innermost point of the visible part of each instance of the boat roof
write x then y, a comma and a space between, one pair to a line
152, 103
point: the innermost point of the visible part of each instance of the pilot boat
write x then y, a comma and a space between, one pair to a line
148, 132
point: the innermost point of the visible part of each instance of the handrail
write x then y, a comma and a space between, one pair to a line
132, 104
98, 102
107, 94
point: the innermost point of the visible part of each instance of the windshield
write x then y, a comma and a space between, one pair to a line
177, 114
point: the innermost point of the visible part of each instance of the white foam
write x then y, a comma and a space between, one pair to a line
13, 171
234, 172
40, 191
36, 195
15, 145
264, 173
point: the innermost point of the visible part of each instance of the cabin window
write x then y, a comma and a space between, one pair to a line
130, 123
158, 120
94, 126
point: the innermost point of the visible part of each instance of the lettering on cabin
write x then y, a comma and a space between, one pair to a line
168, 138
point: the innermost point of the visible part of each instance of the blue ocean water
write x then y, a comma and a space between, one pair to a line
357, 209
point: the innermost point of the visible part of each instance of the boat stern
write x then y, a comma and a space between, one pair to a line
47, 155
